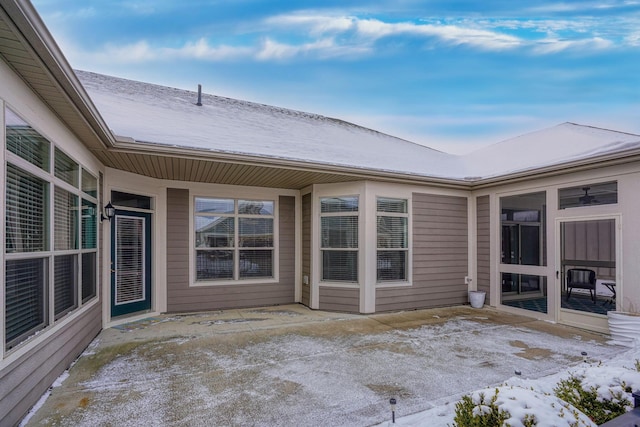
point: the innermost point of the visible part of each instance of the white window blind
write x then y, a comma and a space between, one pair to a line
65, 296
339, 238
65, 230
25, 298
59, 233
26, 212
392, 239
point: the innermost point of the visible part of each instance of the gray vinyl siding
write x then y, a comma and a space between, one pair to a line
340, 299
183, 298
483, 245
306, 248
440, 256
590, 240
25, 380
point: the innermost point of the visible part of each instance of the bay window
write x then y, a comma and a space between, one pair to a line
234, 239
392, 239
339, 238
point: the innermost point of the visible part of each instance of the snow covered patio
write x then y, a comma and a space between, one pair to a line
289, 365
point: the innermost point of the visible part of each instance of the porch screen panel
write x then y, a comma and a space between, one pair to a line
129, 260
25, 298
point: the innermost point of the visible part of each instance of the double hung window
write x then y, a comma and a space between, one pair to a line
339, 238
234, 239
392, 242
45, 248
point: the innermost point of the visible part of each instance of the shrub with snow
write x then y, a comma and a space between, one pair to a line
601, 392
516, 407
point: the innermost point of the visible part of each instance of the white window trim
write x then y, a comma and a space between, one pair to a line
361, 231
52, 325
276, 238
409, 215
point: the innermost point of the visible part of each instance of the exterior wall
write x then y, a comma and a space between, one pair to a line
181, 297
29, 369
26, 379
340, 299
440, 256
306, 249
483, 246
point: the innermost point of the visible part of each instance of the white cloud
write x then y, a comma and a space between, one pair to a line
323, 48
549, 46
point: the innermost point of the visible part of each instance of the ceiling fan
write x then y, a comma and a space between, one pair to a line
587, 199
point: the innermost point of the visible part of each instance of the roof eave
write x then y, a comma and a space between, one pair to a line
131, 146
32, 34
563, 168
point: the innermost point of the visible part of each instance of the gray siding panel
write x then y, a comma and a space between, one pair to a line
340, 299
483, 245
25, 380
183, 298
306, 248
440, 256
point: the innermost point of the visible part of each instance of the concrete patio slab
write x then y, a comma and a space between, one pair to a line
291, 366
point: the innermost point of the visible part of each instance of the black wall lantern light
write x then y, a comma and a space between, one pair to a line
109, 212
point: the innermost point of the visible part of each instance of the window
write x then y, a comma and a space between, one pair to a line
605, 193
46, 253
339, 238
234, 239
392, 226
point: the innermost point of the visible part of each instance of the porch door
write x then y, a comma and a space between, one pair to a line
130, 262
588, 244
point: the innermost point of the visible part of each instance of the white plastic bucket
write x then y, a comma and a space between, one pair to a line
476, 298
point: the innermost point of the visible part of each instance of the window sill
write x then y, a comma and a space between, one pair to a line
403, 284
205, 284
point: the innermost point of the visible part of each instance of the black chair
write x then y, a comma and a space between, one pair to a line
581, 278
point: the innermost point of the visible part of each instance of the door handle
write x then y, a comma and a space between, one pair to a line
557, 274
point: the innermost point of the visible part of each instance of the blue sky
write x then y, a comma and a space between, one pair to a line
451, 74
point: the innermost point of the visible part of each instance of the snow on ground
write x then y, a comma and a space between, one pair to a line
526, 395
337, 373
